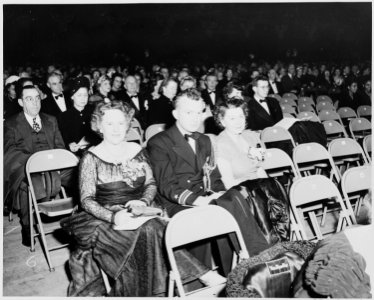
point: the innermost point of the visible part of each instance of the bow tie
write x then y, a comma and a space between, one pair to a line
58, 96
212, 92
133, 96
193, 135
264, 100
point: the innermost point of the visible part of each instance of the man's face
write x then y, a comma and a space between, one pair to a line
55, 84
189, 113
368, 86
117, 82
165, 72
272, 75
170, 90
131, 85
291, 69
211, 82
262, 89
30, 102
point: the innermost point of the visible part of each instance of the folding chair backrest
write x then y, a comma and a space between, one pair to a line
356, 179
333, 127
326, 115
305, 100
289, 96
276, 158
346, 147
48, 160
153, 129
136, 125
323, 98
308, 115
288, 108
288, 101
313, 152
359, 125
364, 110
276, 134
133, 135
367, 146
288, 115
324, 105
305, 107
195, 224
346, 112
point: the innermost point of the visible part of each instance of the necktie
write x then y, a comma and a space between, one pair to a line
212, 92
35, 125
193, 135
264, 100
134, 96
58, 96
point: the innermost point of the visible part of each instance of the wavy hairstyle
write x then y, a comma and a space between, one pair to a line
221, 108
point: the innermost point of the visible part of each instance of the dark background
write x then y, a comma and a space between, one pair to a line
98, 33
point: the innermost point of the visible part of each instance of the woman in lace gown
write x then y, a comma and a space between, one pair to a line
115, 177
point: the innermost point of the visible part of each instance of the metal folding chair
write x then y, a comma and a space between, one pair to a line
367, 147
195, 224
153, 130
276, 96
40, 162
359, 128
289, 96
288, 109
136, 125
334, 130
327, 115
323, 98
347, 113
354, 182
276, 134
305, 107
311, 195
305, 100
324, 105
364, 111
287, 115
133, 135
346, 151
288, 101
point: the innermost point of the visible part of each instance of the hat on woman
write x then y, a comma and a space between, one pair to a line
78, 83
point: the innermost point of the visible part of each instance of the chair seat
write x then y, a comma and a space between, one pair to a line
212, 291
57, 207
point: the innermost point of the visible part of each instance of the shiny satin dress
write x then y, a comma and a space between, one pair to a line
136, 259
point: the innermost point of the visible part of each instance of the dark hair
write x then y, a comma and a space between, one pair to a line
23, 88
116, 75
102, 107
259, 78
165, 83
19, 85
229, 88
192, 94
220, 109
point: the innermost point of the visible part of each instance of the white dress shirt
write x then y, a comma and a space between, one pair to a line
274, 87
60, 102
263, 104
212, 96
135, 100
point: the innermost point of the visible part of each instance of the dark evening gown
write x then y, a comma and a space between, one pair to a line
136, 259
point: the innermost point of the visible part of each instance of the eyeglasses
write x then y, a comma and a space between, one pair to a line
30, 99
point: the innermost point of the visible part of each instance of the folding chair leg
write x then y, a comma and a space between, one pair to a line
10, 216
323, 219
31, 221
171, 285
316, 228
44, 241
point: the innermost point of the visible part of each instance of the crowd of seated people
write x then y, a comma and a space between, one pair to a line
88, 111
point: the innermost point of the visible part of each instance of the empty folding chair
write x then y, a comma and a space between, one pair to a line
308, 115
355, 184
289, 96
367, 146
41, 162
334, 130
305, 100
346, 151
324, 105
323, 98
288, 101
327, 115
347, 113
309, 197
133, 135
287, 115
313, 158
153, 129
359, 128
364, 111
271, 135
288, 109
196, 224
305, 107
136, 125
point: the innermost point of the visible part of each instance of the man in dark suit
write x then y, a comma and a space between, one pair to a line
138, 101
56, 101
24, 134
274, 85
263, 111
211, 97
290, 83
183, 164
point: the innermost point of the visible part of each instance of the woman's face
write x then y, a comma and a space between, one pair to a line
12, 91
105, 87
80, 98
170, 90
114, 126
353, 87
234, 120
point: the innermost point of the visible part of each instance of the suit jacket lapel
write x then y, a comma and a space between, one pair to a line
25, 128
261, 112
181, 147
201, 153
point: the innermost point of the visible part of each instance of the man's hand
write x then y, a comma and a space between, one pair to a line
134, 203
74, 147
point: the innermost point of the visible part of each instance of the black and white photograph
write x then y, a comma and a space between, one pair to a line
174, 149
